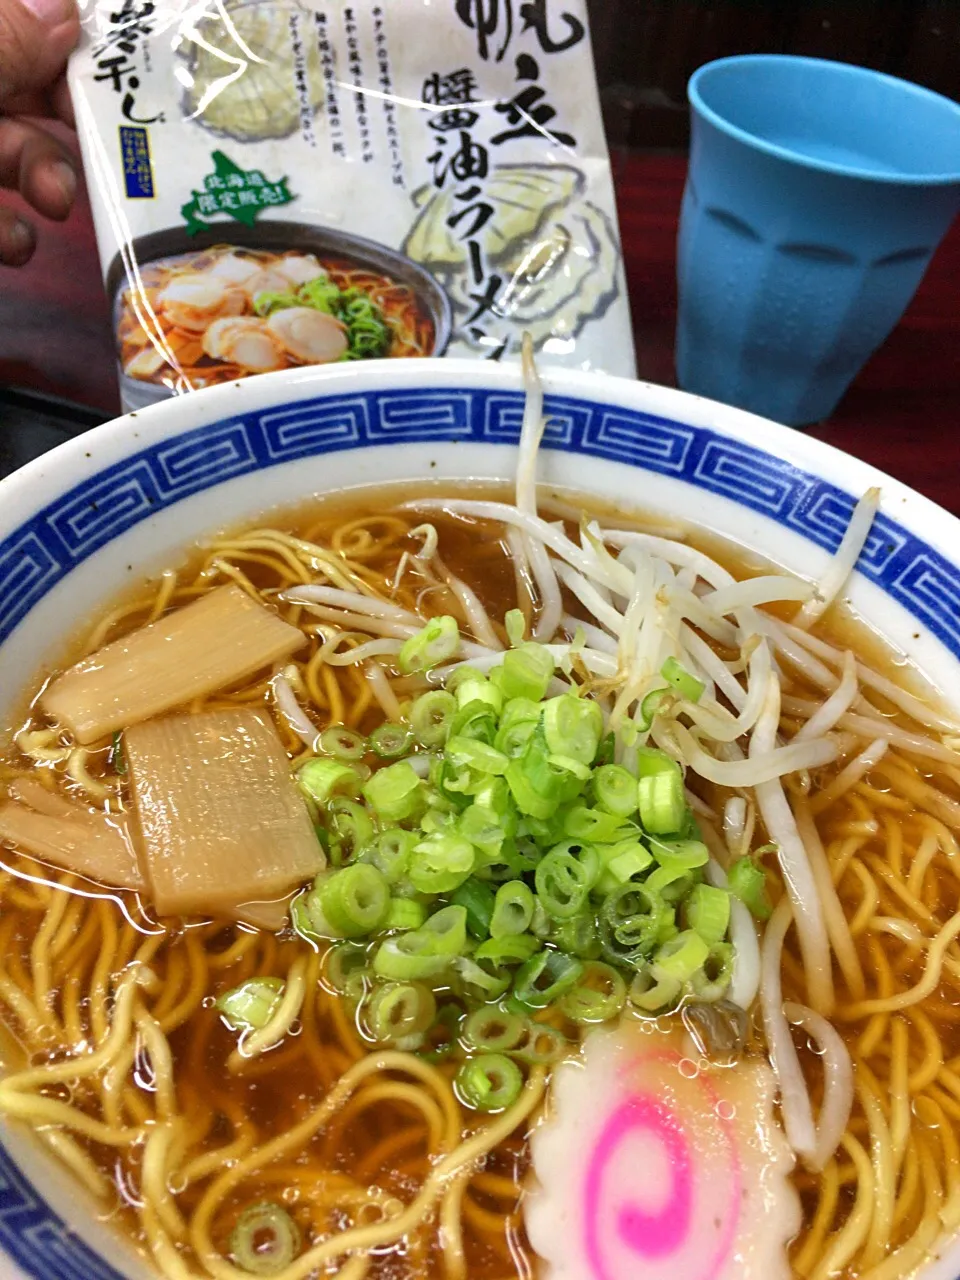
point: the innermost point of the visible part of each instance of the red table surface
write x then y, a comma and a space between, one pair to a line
902, 414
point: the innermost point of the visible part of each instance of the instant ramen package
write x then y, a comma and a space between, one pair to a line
289, 182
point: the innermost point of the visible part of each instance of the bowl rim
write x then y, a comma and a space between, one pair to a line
219, 403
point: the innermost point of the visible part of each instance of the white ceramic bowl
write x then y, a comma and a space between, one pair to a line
127, 498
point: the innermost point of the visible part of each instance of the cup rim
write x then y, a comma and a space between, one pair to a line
848, 69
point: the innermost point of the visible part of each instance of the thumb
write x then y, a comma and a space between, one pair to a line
36, 36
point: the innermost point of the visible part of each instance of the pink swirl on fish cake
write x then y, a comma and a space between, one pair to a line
668, 1234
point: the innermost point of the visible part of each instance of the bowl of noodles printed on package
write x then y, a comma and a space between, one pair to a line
222, 304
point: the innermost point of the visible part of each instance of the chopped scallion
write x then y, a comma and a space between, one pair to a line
391, 740
321, 779
430, 717
399, 1010
355, 899
395, 792
343, 743
686, 685
489, 1082
251, 1005
708, 912
437, 642
265, 1241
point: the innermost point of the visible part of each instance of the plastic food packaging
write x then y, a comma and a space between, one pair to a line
289, 182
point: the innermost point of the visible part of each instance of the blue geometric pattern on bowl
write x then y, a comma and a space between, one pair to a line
38, 1239
63, 534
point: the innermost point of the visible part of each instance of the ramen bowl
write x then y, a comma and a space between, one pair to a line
133, 308
129, 497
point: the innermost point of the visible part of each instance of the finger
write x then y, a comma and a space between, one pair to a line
17, 239
34, 163
54, 104
62, 102
36, 37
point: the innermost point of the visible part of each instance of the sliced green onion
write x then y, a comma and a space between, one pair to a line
476, 721
520, 711
346, 969
430, 717
663, 805
252, 1004
399, 1010
687, 686
545, 977
650, 707
563, 884
516, 626
625, 860
301, 919
405, 913
712, 979
440, 863
680, 958
402, 965
671, 880
343, 743
459, 674
348, 828
636, 916
469, 753
390, 853
542, 925
478, 900
685, 853
320, 779
442, 1038
355, 899
607, 749
489, 1082
424, 952
437, 642
391, 740
651, 760
265, 1240
493, 1030
117, 757
748, 882
573, 727
479, 692
579, 937
581, 823
480, 982
708, 912
513, 949
512, 738
544, 1044
513, 910
598, 997
395, 792
615, 789
654, 996
527, 671
484, 827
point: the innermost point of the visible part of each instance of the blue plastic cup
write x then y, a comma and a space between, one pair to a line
816, 195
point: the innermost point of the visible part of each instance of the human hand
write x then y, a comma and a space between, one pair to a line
36, 36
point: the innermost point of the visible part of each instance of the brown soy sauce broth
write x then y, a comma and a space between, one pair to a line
384, 1141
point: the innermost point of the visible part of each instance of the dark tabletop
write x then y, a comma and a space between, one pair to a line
902, 414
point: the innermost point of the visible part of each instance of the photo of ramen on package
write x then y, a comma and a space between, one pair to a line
292, 182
